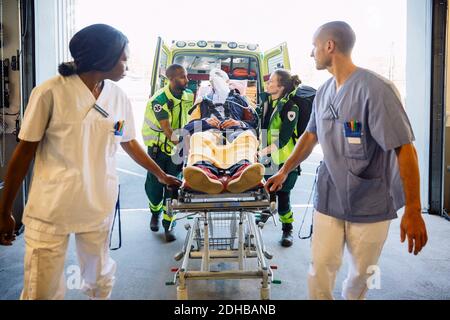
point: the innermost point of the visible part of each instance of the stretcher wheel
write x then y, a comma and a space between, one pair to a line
182, 294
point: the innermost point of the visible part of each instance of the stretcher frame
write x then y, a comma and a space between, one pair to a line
210, 212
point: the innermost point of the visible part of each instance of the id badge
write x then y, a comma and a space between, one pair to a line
354, 140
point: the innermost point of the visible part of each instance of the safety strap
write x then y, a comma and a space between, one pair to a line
226, 109
212, 109
226, 105
116, 215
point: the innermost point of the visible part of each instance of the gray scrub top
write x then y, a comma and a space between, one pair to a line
359, 179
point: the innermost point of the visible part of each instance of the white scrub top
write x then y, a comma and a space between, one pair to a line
359, 127
75, 185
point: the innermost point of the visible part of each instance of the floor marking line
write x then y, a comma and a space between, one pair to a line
131, 173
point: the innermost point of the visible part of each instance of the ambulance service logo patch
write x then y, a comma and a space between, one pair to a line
157, 108
291, 116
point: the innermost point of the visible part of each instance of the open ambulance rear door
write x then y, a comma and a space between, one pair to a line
275, 58
160, 64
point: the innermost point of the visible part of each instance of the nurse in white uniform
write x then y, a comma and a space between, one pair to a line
73, 126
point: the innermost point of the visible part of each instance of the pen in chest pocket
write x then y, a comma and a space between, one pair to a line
118, 128
353, 131
353, 127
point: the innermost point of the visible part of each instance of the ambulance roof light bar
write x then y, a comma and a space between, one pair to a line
216, 45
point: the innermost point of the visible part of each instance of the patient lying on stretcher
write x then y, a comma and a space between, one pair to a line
223, 147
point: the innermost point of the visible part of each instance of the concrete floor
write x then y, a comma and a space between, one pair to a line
145, 260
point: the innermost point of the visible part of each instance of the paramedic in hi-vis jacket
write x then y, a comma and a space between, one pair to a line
167, 112
279, 116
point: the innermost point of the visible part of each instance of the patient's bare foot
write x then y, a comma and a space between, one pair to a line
203, 180
247, 177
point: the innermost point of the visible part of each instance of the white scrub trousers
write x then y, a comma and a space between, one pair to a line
364, 243
44, 277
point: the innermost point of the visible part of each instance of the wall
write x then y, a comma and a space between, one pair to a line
447, 129
448, 66
448, 71
418, 83
11, 38
10, 20
54, 28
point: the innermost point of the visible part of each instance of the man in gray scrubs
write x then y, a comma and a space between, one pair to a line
370, 168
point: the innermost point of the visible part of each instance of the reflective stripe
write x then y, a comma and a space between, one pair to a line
151, 138
152, 125
287, 218
156, 208
166, 217
280, 155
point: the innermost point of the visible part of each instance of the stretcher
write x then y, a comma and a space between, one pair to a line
222, 228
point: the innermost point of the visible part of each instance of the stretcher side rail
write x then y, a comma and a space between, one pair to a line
185, 201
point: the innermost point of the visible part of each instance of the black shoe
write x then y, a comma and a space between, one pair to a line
170, 235
154, 222
287, 239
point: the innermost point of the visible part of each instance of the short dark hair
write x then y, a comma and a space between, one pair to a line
341, 33
173, 69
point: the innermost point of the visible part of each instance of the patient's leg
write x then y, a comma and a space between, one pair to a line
246, 174
244, 147
201, 173
238, 158
203, 147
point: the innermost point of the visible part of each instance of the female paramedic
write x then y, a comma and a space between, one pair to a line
72, 128
279, 116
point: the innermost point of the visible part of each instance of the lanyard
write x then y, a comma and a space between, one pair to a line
331, 105
116, 215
